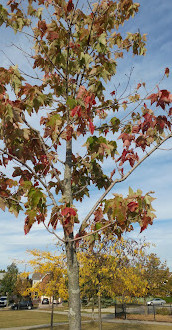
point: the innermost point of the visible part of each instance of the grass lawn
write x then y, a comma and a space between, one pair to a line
113, 326
158, 318
23, 317
10, 318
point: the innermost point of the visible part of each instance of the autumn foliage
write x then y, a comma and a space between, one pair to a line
82, 124
76, 65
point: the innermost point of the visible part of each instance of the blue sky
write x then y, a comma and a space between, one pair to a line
155, 19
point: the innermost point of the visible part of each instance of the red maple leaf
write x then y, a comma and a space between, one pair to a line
167, 71
91, 127
112, 93
145, 222
153, 97
139, 85
70, 5
68, 210
133, 206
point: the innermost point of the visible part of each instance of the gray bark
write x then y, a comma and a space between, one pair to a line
73, 288
72, 263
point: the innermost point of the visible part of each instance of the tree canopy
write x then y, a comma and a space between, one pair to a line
82, 124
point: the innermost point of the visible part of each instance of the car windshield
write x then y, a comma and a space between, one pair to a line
3, 299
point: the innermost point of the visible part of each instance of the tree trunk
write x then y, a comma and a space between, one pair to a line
72, 263
52, 313
99, 312
73, 288
93, 309
146, 307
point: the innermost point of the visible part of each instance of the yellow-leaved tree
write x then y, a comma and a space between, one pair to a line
53, 268
113, 270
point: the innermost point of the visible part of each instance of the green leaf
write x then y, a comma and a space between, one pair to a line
71, 102
98, 226
130, 190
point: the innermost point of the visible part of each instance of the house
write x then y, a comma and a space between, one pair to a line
42, 279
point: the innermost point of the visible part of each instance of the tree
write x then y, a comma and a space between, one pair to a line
9, 280
53, 268
75, 57
157, 275
114, 270
22, 285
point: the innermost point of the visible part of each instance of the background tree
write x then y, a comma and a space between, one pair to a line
54, 283
54, 266
157, 275
75, 57
9, 280
113, 270
22, 286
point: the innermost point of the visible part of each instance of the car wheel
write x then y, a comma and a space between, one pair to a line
29, 307
162, 304
15, 308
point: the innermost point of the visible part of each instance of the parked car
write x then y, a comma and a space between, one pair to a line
45, 301
24, 304
156, 301
3, 301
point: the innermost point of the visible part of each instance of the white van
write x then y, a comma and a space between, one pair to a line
3, 301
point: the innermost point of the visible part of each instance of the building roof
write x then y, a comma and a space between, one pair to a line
37, 276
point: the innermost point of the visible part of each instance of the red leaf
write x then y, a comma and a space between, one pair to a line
153, 98
167, 71
112, 93
69, 210
52, 35
76, 110
170, 112
27, 226
145, 222
70, 5
133, 206
98, 215
91, 127
139, 85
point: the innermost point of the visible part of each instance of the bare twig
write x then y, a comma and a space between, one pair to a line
53, 233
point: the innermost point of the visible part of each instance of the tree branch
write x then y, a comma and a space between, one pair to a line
34, 174
53, 233
121, 180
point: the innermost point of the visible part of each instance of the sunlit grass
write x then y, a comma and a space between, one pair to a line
115, 326
20, 318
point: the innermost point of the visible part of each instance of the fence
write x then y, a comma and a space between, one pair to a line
121, 310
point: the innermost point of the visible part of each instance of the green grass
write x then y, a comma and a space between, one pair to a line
20, 318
